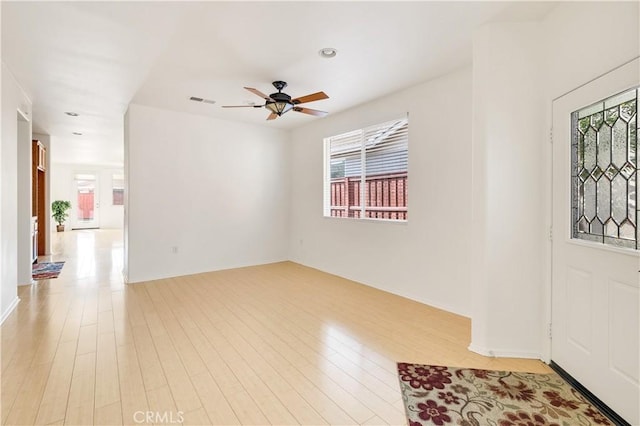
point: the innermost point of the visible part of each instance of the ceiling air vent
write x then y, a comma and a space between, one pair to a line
206, 101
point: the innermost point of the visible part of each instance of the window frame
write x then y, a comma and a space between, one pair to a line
364, 210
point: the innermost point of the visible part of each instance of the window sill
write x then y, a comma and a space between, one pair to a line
368, 220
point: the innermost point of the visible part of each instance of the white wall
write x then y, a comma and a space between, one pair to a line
62, 188
508, 244
13, 100
586, 39
428, 258
217, 190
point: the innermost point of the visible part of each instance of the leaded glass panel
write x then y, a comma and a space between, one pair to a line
605, 171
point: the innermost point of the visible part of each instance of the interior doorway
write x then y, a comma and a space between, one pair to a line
38, 194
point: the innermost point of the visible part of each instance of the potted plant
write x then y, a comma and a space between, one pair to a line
59, 213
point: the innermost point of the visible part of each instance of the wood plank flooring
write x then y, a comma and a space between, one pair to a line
275, 344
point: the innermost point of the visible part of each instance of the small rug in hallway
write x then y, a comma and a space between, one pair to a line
435, 395
46, 270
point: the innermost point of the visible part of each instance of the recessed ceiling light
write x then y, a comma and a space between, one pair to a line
71, 114
77, 133
328, 52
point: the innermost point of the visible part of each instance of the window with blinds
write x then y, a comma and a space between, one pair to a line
367, 172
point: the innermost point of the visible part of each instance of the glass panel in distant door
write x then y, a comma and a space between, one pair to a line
85, 202
118, 189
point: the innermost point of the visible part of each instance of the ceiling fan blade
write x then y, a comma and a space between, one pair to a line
272, 116
257, 92
310, 111
310, 98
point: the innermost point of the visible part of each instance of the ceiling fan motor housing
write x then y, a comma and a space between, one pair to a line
280, 97
279, 85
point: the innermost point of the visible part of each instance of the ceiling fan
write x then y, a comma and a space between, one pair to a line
279, 103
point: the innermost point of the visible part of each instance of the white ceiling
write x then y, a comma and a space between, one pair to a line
94, 58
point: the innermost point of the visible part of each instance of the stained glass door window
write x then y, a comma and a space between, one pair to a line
605, 171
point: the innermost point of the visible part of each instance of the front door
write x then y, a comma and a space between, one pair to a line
86, 206
595, 299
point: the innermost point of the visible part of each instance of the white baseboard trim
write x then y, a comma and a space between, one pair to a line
10, 309
503, 353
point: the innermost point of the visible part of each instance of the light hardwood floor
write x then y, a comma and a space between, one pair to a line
272, 344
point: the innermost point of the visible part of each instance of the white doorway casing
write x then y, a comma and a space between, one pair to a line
23, 205
594, 298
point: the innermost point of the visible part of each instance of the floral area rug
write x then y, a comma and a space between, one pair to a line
46, 270
435, 395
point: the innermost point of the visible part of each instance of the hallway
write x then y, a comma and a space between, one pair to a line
39, 338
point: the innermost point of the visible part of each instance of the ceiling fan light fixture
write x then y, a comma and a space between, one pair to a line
279, 107
328, 52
